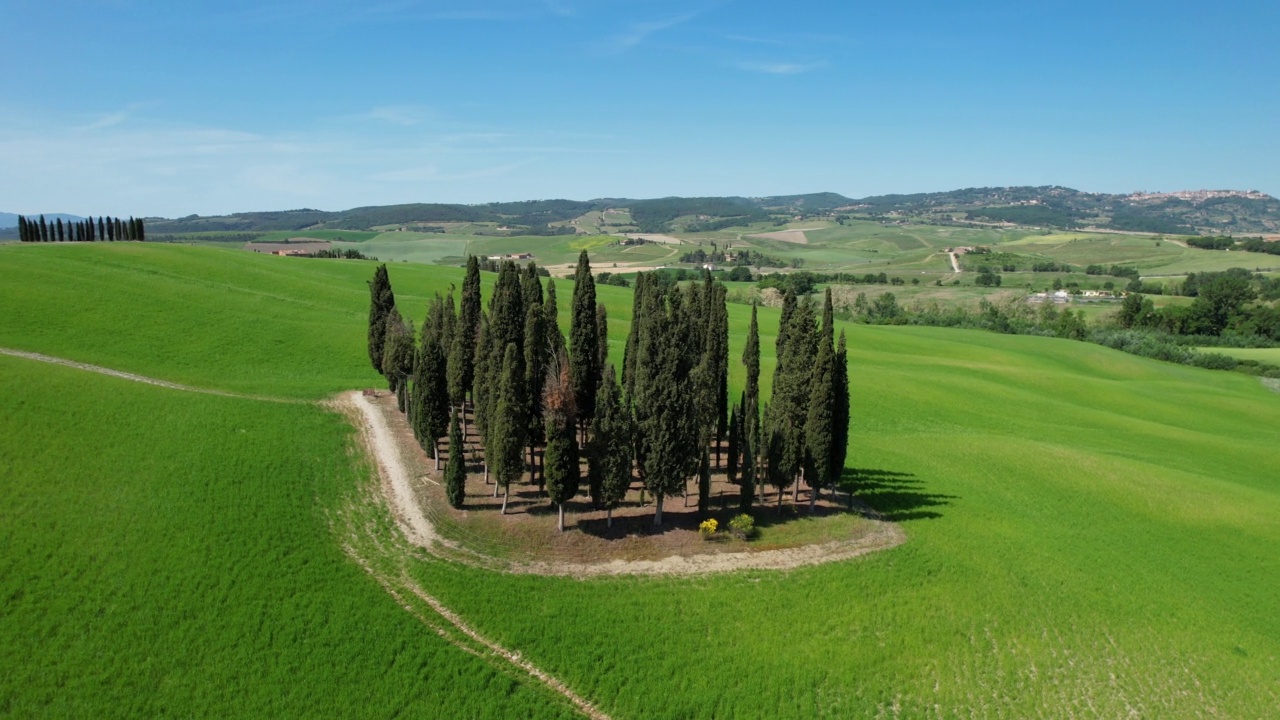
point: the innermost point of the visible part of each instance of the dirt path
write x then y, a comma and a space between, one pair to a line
407, 508
955, 263
141, 378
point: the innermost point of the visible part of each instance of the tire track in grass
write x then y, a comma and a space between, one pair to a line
38, 357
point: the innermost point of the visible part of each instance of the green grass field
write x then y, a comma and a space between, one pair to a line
170, 554
1266, 355
1089, 533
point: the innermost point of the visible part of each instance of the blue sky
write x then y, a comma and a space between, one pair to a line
166, 108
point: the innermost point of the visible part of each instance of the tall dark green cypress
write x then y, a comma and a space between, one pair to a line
433, 413
508, 424
788, 406
22, 229
704, 481
551, 323
609, 454
482, 388
44, 230
561, 472
602, 337
455, 472
535, 376
531, 285
840, 411
506, 310
632, 348
820, 418
667, 449
735, 444
397, 356
381, 301
102, 228
717, 352
584, 344
142, 231
58, 227
751, 413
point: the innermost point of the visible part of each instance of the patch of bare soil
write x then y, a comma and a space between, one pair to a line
525, 540
791, 236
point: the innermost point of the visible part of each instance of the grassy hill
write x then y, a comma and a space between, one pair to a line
1089, 533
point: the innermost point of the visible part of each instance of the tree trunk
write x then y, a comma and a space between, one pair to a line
504, 500
497, 485
813, 499
561, 507
486, 471
435, 452
657, 515
718, 465
609, 518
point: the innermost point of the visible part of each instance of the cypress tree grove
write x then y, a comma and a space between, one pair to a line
381, 301
584, 345
561, 463
609, 454
455, 472
508, 424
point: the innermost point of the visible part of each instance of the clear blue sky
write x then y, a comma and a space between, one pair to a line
170, 108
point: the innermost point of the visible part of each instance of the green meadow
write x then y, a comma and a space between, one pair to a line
1090, 533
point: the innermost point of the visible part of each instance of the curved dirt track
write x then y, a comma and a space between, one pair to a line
417, 527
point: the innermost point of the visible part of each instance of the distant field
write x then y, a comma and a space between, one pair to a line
1089, 533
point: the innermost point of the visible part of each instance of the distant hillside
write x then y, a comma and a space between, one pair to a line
10, 220
1190, 212
1186, 212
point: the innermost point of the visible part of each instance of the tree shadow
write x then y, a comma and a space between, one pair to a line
893, 496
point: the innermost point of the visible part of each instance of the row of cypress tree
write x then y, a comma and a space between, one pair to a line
88, 230
541, 405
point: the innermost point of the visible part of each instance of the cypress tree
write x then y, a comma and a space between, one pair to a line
840, 410
609, 454
704, 481
717, 360
630, 350
561, 471
750, 413
397, 357
469, 322
111, 229
481, 393
22, 229
455, 472
735, 444
535, 376
381, 301
44, 230
584, 345
666, 421
102, 229
531, 285
602, 336
509, 423
820, 423
142, 231
58, 226
431, 416
784, 322
551, 323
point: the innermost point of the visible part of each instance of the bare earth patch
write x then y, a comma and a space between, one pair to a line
525, 540
792, 236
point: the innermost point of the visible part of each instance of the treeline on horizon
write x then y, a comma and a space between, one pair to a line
102, 229
542, 403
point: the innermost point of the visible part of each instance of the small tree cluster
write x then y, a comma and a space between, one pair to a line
90, 229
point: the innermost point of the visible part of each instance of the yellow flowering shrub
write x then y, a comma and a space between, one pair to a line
708, 528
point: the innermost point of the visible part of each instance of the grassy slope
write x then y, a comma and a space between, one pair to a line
1089, 532
170, 554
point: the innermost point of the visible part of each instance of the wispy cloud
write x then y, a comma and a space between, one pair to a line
639, 32
432, 173
106, 121
779, 68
